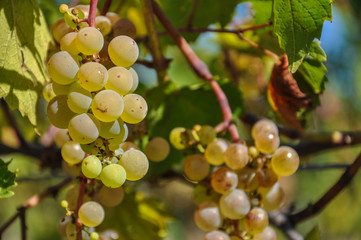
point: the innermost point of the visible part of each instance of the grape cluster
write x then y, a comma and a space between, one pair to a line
233, 198
91, 101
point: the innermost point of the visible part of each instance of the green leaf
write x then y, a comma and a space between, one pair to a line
24, 42
7, 180
262, 11
314, 234
297, 23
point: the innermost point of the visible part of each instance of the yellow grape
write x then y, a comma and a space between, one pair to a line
157, 149
267, 142
59, 29
107, 105
135, 108
103, 24
91, 214
264, 125
113, 175
285, 161
215, 151
89, 40
58, 112
61, 136
273, 197
113, 17
196, 167
216, 235
236, 156
135, 163
123, 51
267, 234
256, 220
67, 43
120, 80
235, 204
62, 68
84, 128
72, 153
206, 134
224, 180
208, 216
92, 76
135, 79
111, 197
175, 138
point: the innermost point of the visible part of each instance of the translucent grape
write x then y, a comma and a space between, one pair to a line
215, 152
120, 80
62, 68
135, 108
256, 220
62, 225
107, 105
84, 128
264, 125
94, 236
72, 197
247, 179
129, 145
70, 231
111, 197
67, 43
79, 100
103, 24
58, 112
110, 130
157, 149
196, 167
285, 161
91, 214
59, 29
224, 180
114, 143
267, 142
135, 163
267, 234
135, 81
89, 40
60, 89
48, 92
113, 175
236, 156
109, 235
208, 217
272, 198
235, 204
206, 134
91, 166
266, 177
93, 76
175, 138
123, 51
72, 153
61, 136
113, 17
216, 235
124, 27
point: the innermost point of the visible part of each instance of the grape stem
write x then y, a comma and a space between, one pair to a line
106, 7
92, 12
193, 12
78, 224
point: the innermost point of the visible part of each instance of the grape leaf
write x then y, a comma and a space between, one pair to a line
262, 11
7, 180
23, 48
297, 23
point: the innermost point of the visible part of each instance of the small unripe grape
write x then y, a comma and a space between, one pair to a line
175, 138
285, 161
103, 24
264, 125
272, 198
267, 234
236, 156
235, 204
107, 105
208, 216
72, 153
267, 142
48, 92
84, 128
91, 214
216, 235
91, 166
111, 197
89, 40
62, 68
206, 134
123, 51
58, 112
135, 163
135, 108
68, 43
63, 8
94, 236
224, 180
196, 167
157, 149
256, 220
92, 76
113, 175
215, 152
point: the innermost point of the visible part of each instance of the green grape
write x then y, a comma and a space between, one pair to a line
272, 198
103, 24
266, 177
60, 89
235, 204
285, 161
114, 143
123, 51
94, 236
175, 138
84, 128
113, 175
264, 125
61, 136
216, 235
135, 163
48, 92
110, 130
215, 152
247, 179
89, 40
120, 80
91, 214
91, 166
224, 180
59, 29
62, 225
236, 156
67, 43
208, 216
256, 220
92, 76
113, 17
157, 149
107, 105
62, 68
135, 108
206, 134
79, 99
267, 234
267, 142
124, 27
111, 197
72, 153
70, 231
196, 167
72, 197
135, 81
58, 112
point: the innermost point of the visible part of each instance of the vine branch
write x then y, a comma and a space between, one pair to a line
106, 7
193, 12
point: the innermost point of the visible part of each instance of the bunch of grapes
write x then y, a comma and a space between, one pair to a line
91, 101
243, 185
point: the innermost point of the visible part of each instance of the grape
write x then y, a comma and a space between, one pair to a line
235, 204
196, 167
135, 108
60, 89
247, 179
103, 54
272, 198
107, 105
89, 40
120, 80
215, 151
204, 194
175, 138
256, 220
124, 27
135, 81
208, 217
206, 134
267, 234
135, 164
123, 51
72, 170
85, 9
91, 214
103, 24
61, 136
264, 125
157, 149
67, 43
236, 156
62, 225
110, 130
109, 235
267, 142
128, 145
111, 197
59, 29
92, 76
72, 197
216, 235
266, 177
62, 68
70, 231
224, 180
84, 128
113, 17
285, 161
48, 92
58, 112
94, 236
72, 153
79, 99
114, 143
113, 175
91, 166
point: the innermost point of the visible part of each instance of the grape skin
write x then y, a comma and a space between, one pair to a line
91, 214
235, 204
224, 180
157, 149
72, 153
135, 108
215, 152
267, 234
111, 197
236, 156
175, 138
256, 220
91, 166
113, 175
92, 76
120, 80
58, 112
206, 134
123, 51
285, 161
79, 100
62, 68
68, 43
103, 24
272, 198
135, 79
84, 128
89, 40
135, 163
208, 217
107, 105
61, 137
196, 167
264, 125
110, 130
216, 235
267, 142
